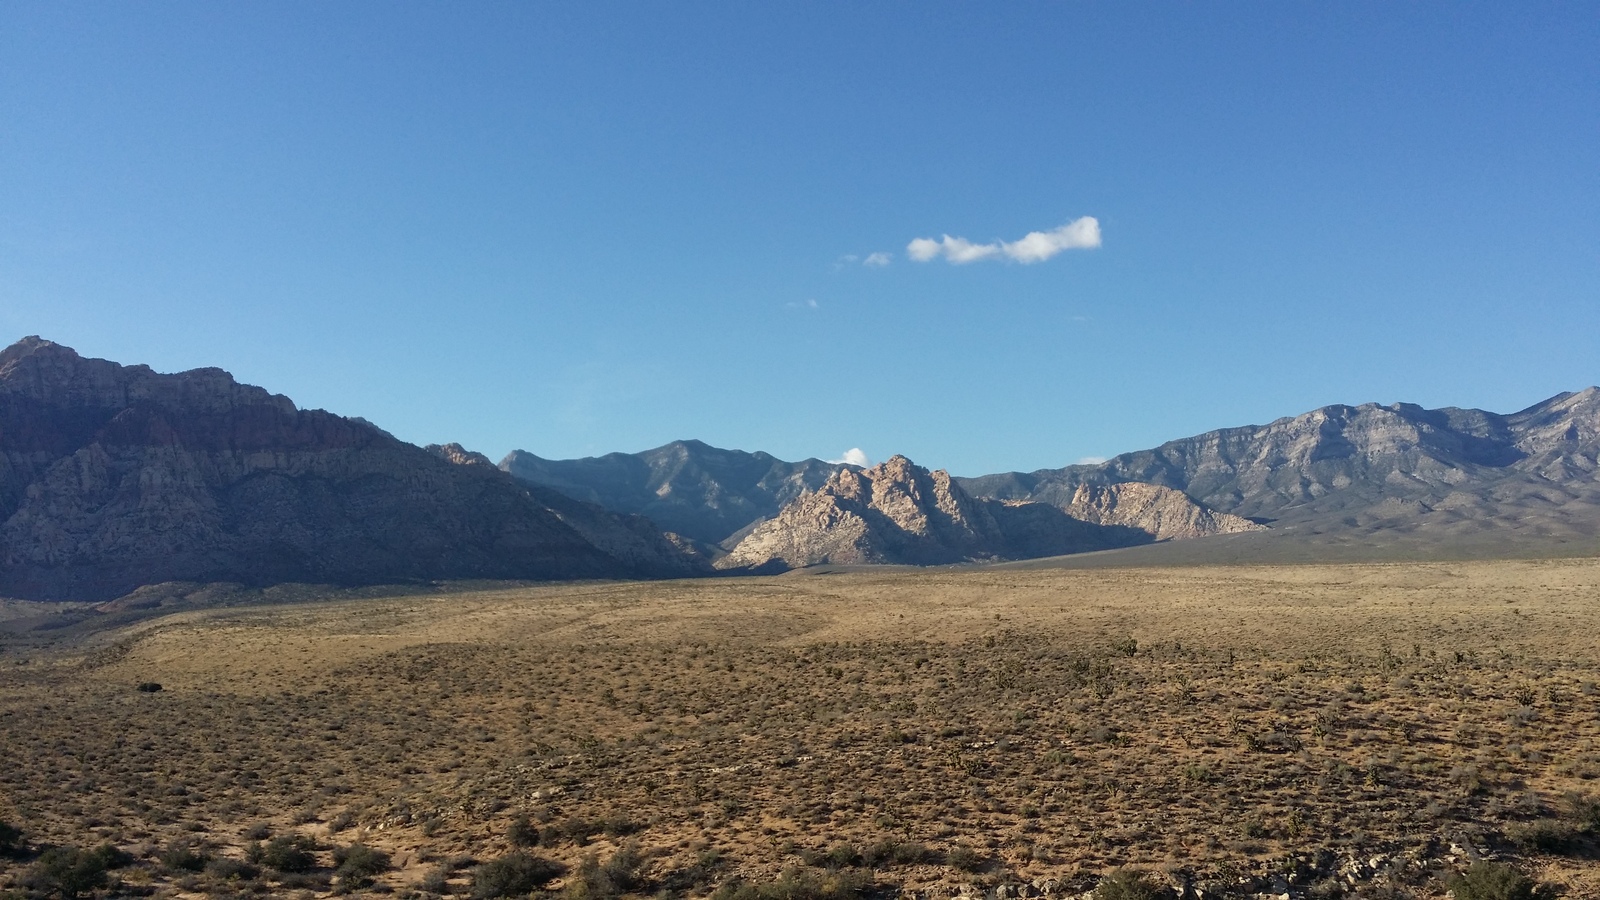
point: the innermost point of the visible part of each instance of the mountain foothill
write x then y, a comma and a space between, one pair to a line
114, 477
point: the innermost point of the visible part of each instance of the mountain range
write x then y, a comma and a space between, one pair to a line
1412, 480
688, 487
1359, 482
113, 476
898, 512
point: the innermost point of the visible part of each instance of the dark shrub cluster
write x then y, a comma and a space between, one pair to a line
357, 865
798, 884
71, 872
290, 853
1497, 881
515, 874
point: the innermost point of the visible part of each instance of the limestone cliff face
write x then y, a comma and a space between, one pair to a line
1163, 513
116, 476
898, 512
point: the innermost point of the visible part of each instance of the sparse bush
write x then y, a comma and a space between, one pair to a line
966, 859
797, 884
183, 856
356, 865
516, 873
1544, 836
522, 832
1127, 884
224, 869
149, 687
437, 881
1497, 881
839, 856
885, 854
72, 872
621, 874
288, 853
260, 831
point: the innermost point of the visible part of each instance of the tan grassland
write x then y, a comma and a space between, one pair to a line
1352, 730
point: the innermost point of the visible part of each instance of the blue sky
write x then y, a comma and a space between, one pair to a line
578, 228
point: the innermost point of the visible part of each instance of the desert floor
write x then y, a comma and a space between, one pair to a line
1322, 730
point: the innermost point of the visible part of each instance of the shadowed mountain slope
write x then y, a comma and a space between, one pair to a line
116, 476
1357, 476
688, 487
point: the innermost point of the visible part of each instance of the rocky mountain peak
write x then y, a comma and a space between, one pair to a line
459, 455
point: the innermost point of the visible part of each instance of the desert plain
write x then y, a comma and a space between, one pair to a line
1302, 730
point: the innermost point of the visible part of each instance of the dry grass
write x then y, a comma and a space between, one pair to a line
943, 732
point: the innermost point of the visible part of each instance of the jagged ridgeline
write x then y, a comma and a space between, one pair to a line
113, 476
899, 512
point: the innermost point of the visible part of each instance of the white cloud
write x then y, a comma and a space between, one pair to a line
877, 260
855, 456
1036, 246
1090, 461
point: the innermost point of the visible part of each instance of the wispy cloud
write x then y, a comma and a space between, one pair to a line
872, 260
808, 303
1090, 461
1036, 246
855, 456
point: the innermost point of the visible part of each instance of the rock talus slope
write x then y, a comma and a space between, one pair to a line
116, 476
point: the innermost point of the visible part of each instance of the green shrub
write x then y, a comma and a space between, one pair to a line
885, 854
623, 873
224, 869
966, 859
1496, 881
522, 832
1127, 884
1544, 836
839, 856
514, 874
183, 856
356, 865
72, 872
291, 853
798, 884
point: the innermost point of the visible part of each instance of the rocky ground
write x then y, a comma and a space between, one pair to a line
1315, 732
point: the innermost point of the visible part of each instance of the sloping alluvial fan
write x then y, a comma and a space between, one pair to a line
899, 512
688, 487
116, 476
1452, 473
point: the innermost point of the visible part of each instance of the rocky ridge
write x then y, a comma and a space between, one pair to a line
898, 512
1441, 475
1163, 513
688, 487
113, 476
